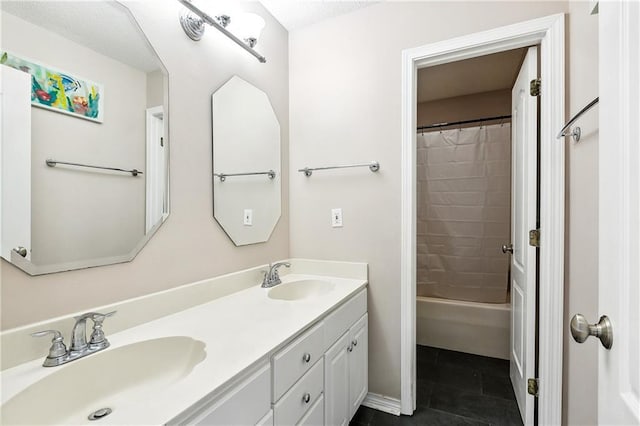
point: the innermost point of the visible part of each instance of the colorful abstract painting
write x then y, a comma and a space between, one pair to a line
59, 91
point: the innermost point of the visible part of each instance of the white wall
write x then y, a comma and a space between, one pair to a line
190, 245
350, 67
155, 88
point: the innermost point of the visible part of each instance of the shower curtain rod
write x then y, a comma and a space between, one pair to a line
455, 123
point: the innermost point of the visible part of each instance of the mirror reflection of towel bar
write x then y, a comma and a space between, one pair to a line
223, 176
53, 163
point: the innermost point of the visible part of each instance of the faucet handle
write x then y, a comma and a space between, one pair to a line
58, 348
98, 340
98, 317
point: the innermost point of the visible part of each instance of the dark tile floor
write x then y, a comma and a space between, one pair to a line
454, 388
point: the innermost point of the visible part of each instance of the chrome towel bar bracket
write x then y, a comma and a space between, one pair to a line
576, 132
374, 166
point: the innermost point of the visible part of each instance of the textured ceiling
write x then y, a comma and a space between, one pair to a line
475, 75
294, 14
105, 27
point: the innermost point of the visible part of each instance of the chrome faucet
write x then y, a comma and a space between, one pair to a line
79, 333
271, 277
58, 353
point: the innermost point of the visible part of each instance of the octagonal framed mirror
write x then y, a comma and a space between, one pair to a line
246, 162
85, 118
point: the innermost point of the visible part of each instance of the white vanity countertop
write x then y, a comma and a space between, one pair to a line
238, 330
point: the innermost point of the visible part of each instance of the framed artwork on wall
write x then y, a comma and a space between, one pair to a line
58, 90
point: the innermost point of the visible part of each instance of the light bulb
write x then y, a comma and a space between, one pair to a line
247, 27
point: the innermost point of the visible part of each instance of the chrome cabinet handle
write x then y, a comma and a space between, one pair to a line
507, 248
350, 347
581, 330
306, 398
306, 357
354, 342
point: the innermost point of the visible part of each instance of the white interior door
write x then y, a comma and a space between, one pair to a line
619, 212
156, 203
15, 162
524, 141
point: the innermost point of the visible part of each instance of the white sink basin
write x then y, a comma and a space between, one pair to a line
300, 289
111, 379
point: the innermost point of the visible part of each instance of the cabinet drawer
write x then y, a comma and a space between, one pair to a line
315, 415
293, 405
296, 359
339, 321
245, 404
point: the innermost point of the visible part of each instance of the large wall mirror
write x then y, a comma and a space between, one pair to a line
246, 162
84, 105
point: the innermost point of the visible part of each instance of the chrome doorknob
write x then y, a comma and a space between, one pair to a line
507, 248
581, 330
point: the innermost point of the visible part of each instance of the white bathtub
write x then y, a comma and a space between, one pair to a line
471, 327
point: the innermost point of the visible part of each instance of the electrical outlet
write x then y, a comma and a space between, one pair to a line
336, 218
248, 217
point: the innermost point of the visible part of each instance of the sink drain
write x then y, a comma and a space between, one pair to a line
98, 414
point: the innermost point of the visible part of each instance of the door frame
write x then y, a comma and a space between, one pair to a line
549, 33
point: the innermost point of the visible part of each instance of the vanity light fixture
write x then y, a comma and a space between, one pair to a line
248, 27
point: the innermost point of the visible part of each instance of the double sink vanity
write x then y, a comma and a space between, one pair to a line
224, 351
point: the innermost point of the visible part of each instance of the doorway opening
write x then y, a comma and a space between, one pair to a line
471, 343
548, 33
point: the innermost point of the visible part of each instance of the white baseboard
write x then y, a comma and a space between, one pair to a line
382, 403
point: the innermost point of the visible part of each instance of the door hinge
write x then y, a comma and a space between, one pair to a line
532, 387
534, 238
534, 87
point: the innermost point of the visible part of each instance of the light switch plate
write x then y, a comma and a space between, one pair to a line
248, 217
336, 218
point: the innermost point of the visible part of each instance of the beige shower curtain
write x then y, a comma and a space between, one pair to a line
464, 191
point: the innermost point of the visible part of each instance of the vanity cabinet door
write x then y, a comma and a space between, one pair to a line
358, 364
336, 383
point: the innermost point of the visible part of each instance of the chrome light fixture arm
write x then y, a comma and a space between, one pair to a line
193, 21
